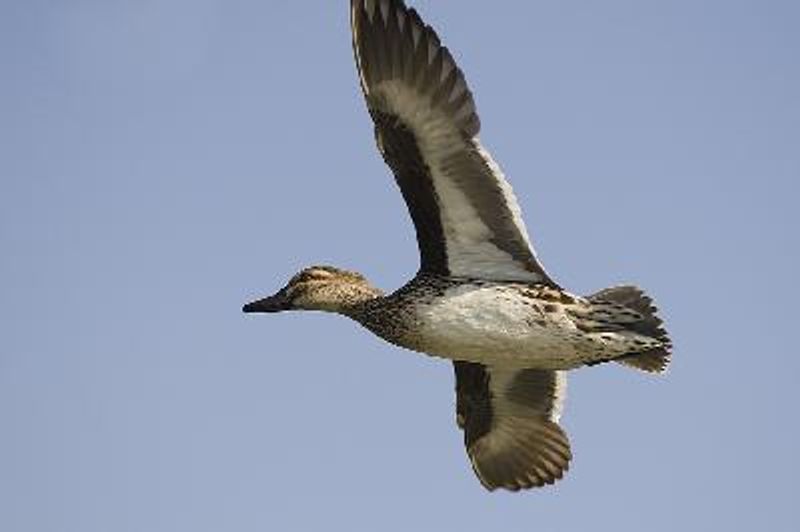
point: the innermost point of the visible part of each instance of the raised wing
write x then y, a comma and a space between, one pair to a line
467, 219
510, 423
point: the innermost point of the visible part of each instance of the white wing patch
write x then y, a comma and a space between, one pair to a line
470, 250
508, 193
467, 217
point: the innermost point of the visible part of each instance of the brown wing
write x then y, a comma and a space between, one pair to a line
510, 423
467, 219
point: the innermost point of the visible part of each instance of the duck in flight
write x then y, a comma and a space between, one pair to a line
481, 298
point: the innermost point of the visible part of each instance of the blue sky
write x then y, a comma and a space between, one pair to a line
161, 162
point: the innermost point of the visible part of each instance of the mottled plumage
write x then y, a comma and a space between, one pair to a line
481, 297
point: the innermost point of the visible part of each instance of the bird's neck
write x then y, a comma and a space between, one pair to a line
358, 299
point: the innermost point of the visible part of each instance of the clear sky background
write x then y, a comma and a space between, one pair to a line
162, 162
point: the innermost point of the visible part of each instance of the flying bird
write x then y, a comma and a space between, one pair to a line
481, 297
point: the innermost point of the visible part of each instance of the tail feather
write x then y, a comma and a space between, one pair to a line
652, 361
642, 320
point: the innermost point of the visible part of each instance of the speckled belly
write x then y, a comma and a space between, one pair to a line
493, 325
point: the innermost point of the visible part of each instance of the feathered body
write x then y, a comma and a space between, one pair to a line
481, 298
512, 324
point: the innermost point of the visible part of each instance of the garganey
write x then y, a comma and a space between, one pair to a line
481, 298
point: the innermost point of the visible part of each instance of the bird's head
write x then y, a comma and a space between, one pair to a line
322, 288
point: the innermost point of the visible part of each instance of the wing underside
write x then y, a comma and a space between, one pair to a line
510, 424
467, 219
